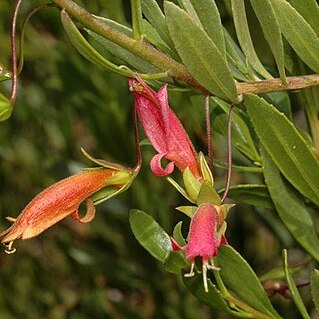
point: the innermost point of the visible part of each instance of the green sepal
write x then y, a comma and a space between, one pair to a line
180, 189
177, 234
225, 209
208, 194
104, 163
187, 210
5, 108
222, 230
206, 172
110, 190
4, 73
192, 185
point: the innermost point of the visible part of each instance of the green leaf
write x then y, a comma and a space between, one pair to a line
236, 58
86, 49
241, 136
295, 216
271, 29
281, 101
150, 234
314, 285
209, 17
243, 35
292, 155
6, 108
152, 36
251, 194
125, 55
201, 56
278, 273
213, 298
298, 33
241, 279
175, 262
309, 10
293, 289
155, 16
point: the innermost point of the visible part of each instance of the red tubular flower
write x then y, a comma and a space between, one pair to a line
60, 200
203, 238
164, 130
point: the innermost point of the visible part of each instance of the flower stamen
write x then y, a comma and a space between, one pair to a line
9, 249
191, 273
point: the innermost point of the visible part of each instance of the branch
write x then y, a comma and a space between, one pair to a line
274, 85
173, 68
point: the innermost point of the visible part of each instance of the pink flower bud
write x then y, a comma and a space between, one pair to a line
56, 202
164, 130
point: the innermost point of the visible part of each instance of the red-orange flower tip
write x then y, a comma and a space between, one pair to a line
56, 202
164, 130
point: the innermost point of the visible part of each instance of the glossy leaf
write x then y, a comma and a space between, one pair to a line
309, 10
314, 284
290, 152
201, 56
244, 38
6, 108
278, 273
246, 285
212, 298
295, 216
293, 289
5, 74
251, 194
298, 33
209, 17
241, 136
271, 29
150, 234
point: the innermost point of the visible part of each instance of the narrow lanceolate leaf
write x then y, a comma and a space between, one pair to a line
314, 284
246, 285
288, 149
155, 16
271, 29
209, 17
309, 10
150, 234
295, 216
298, 33
244, 38
201, 56
85, 48
125, 55
293, 288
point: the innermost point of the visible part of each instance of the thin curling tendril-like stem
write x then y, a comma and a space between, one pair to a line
229, 152
13, 96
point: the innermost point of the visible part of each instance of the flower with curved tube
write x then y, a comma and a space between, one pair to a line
164, 130
62, 199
